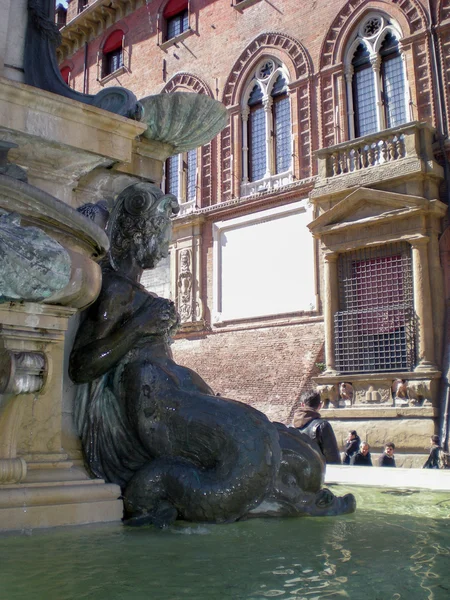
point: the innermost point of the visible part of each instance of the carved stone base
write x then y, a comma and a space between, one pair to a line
12, 470
41, 505
379, 389
410, 428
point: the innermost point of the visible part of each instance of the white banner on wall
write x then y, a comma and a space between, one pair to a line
264, 264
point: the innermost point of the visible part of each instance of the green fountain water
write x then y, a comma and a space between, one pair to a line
396, 546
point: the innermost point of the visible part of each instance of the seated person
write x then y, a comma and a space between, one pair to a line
308, 420
432, 461
362, 458
387, 458
351, 446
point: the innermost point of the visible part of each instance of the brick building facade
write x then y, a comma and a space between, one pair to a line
338, 117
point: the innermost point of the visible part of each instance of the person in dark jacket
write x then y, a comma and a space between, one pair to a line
432, 461
351, 446
387, 458
308, 420
362, 458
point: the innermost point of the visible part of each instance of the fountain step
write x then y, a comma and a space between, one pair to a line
399, 478
51, 505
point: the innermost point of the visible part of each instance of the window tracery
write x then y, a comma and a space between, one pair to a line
377, 94
266, 129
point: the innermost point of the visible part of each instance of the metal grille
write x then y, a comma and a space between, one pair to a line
375, 330
282, 130
192, 174
394, 91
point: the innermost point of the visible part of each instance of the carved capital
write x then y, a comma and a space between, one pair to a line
375, 61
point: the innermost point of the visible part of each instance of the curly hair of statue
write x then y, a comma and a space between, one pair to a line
140, 210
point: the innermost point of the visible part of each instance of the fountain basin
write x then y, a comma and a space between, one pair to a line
395, 546
80, 237
183, 120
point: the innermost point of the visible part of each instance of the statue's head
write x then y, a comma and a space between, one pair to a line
140, 223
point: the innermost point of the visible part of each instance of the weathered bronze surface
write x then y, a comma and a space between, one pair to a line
155, 427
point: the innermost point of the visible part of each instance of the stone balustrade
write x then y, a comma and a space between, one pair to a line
413, 140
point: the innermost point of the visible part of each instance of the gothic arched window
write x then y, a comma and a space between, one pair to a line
266, 129
376, 81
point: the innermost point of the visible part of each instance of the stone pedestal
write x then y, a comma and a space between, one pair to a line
71, 153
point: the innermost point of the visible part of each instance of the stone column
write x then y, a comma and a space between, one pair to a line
330, 306
267, 103
375, 61
244, 115
423, 304
351, 112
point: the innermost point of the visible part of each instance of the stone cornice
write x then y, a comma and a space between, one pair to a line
92, 21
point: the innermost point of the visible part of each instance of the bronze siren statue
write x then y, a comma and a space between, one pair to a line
155, 427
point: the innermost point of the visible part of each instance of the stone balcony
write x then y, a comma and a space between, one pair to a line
395, 159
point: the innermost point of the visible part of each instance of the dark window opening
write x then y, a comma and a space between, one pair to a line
82, 4
176, 17
112, 53
177, 24
113, 61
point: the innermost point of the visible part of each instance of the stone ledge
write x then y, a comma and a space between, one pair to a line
394, 412
399, 478
53, 505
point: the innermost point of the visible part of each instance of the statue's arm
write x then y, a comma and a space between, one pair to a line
112, 329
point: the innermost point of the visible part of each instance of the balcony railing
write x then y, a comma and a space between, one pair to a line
410, 141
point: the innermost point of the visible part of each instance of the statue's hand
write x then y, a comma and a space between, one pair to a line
157, 315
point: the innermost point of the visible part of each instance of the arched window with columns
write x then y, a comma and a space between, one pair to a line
377, 91
266, 128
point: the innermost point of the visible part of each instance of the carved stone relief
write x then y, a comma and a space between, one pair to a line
328, 395
184, 284
33, 266
345, 394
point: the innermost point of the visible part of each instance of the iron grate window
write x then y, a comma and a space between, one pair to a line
375, 330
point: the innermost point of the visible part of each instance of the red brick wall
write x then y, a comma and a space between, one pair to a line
267, 368
219, 46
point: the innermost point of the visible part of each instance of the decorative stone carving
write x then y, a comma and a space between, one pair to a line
328, 395
345, 394
21, 372
366, 392
400, 392
185, 286
419, 391
33, 265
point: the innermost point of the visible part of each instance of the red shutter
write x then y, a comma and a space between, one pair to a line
173, 7
65, 72
114, 41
